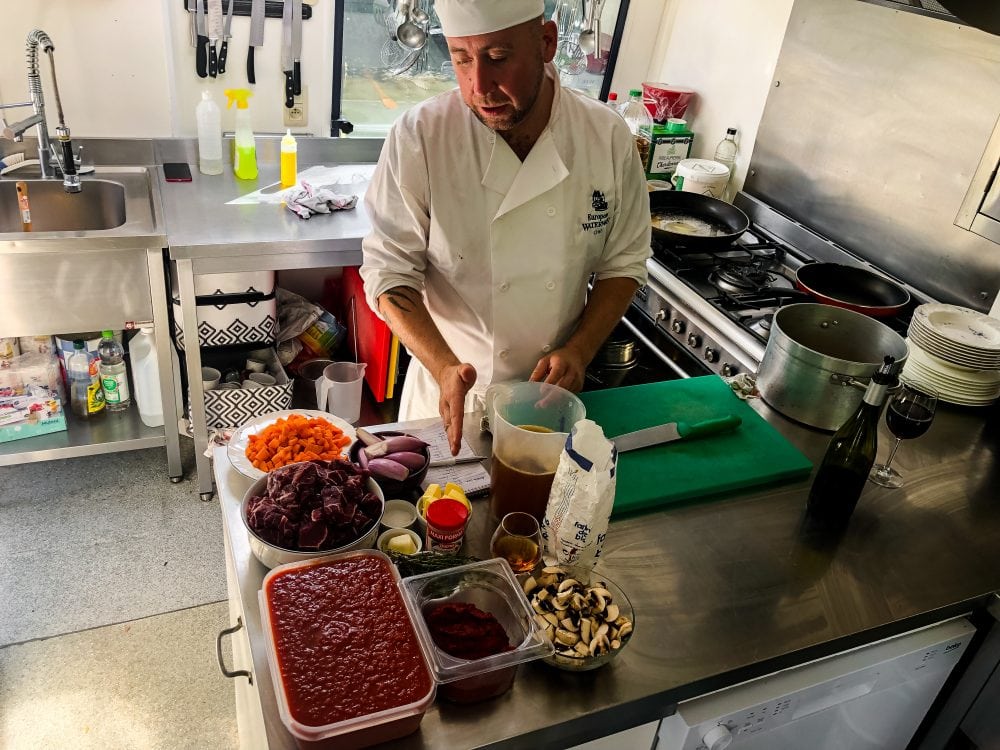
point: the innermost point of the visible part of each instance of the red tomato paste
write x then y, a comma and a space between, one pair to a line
344, 643
465, 631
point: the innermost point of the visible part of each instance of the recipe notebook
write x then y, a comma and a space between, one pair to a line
471, 477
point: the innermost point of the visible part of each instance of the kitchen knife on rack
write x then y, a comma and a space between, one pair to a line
256, 36
214, 32
297, 47
201, 40
226, 36
287, 65
666, 433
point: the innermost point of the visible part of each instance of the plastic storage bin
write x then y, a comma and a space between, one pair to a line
491, 586
233, 308
352, 597
232, 408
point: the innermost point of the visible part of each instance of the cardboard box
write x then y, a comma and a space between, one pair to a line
31, 415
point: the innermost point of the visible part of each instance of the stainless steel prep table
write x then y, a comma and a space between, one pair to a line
205, 235
723, 591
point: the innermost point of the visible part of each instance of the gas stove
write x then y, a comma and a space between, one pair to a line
711, 312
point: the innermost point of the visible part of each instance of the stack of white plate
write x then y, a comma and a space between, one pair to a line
956, 351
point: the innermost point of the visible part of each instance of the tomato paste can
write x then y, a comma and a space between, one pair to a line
446, 522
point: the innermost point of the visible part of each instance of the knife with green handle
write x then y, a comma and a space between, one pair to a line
665, 433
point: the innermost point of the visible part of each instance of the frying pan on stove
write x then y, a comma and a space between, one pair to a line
694, 222
853, 288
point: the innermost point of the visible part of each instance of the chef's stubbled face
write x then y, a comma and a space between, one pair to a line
500, 74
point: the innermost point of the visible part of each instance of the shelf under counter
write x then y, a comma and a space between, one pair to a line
109, 433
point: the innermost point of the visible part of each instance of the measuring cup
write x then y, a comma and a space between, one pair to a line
530, 423
338, 389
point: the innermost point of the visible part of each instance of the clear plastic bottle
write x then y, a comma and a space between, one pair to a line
289, 159
613, 100
85, 395
639, 122
114, 377
209, 135
146, 377
725, 153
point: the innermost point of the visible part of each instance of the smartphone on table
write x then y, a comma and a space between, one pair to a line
177, 172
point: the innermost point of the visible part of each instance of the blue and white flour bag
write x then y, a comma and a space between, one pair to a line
583, 493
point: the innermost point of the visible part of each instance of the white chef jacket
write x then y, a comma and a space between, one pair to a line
502, 249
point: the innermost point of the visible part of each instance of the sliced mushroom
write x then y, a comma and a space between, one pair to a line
616, 644
530, 584
568, 624
567, 637
625, 631
611, 613
582, 649
567, 584
585, 629
551, 620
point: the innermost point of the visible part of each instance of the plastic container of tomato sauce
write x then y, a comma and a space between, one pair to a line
348, 668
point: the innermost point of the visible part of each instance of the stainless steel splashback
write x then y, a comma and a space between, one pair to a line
872, 135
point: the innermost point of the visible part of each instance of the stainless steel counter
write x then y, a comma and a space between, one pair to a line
206, 235
726, 590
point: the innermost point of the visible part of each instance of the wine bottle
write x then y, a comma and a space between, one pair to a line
849, 458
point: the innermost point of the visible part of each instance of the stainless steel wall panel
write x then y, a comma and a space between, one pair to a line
872, 135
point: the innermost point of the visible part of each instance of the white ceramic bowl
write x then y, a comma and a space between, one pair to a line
272, 555
385, 536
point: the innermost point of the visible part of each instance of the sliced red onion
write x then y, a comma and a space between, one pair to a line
412, 461
395, 444
383, 467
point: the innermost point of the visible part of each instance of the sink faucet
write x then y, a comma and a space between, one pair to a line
48, 159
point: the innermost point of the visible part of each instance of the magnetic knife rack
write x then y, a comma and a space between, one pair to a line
272, 8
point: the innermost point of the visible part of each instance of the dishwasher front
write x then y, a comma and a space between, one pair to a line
868, 698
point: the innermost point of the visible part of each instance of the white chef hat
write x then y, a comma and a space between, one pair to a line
470, 17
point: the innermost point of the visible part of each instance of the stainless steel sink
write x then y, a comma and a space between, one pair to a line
100, 206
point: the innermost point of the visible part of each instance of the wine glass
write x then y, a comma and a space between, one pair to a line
518, 540
910, 412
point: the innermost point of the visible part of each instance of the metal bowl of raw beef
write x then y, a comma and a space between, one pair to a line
325, 511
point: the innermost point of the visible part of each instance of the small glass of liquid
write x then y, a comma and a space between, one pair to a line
518, 540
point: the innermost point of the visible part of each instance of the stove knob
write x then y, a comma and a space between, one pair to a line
711, 355
661, 314
694, 340
718, 738
729, 370
677, 326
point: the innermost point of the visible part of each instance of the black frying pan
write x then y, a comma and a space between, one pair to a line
693, 221
853, 288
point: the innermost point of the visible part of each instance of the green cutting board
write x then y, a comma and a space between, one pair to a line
753, 454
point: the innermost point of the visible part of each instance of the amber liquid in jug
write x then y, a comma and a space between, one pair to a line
525, 488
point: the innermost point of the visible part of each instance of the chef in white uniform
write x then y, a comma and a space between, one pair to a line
492, 206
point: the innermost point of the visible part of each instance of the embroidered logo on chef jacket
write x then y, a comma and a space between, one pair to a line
597, 216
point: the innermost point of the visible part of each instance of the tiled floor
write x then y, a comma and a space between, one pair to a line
112, 590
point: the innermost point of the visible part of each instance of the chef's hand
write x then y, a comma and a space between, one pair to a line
454, 382
564, 367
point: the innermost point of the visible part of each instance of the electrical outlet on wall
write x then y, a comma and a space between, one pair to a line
298, 114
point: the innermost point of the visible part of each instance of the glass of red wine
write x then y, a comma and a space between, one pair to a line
910, 412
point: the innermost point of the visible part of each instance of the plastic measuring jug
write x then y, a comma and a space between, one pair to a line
338, 389
530, 423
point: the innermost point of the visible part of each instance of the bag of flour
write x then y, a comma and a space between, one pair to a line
583, 492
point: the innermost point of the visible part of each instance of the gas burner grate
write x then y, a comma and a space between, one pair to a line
737, 276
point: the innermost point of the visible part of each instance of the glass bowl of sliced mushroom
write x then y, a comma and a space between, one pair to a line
587, 617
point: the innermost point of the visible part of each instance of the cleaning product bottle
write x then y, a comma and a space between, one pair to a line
146, 376
114, 376
245, 151
289, 156
670, 144
86, 396
209, 135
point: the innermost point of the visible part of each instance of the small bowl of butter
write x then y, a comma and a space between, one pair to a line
403, 541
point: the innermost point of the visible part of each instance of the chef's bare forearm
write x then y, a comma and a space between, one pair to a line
607, 303
404, 310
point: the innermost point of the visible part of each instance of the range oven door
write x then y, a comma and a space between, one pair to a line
656, 355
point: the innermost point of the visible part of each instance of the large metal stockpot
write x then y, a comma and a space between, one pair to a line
817, 356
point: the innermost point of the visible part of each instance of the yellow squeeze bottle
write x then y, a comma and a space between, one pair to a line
289, 158
244, 148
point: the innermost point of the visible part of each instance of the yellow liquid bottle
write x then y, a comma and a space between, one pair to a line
244, 148
289, 160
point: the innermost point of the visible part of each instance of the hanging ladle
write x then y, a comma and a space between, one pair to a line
590, 37
411, 33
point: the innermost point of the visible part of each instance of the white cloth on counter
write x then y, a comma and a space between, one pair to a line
307, 201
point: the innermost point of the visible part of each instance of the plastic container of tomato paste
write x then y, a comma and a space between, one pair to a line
448, 608
329, 625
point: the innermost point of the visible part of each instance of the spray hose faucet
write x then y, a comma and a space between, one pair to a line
49, 159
